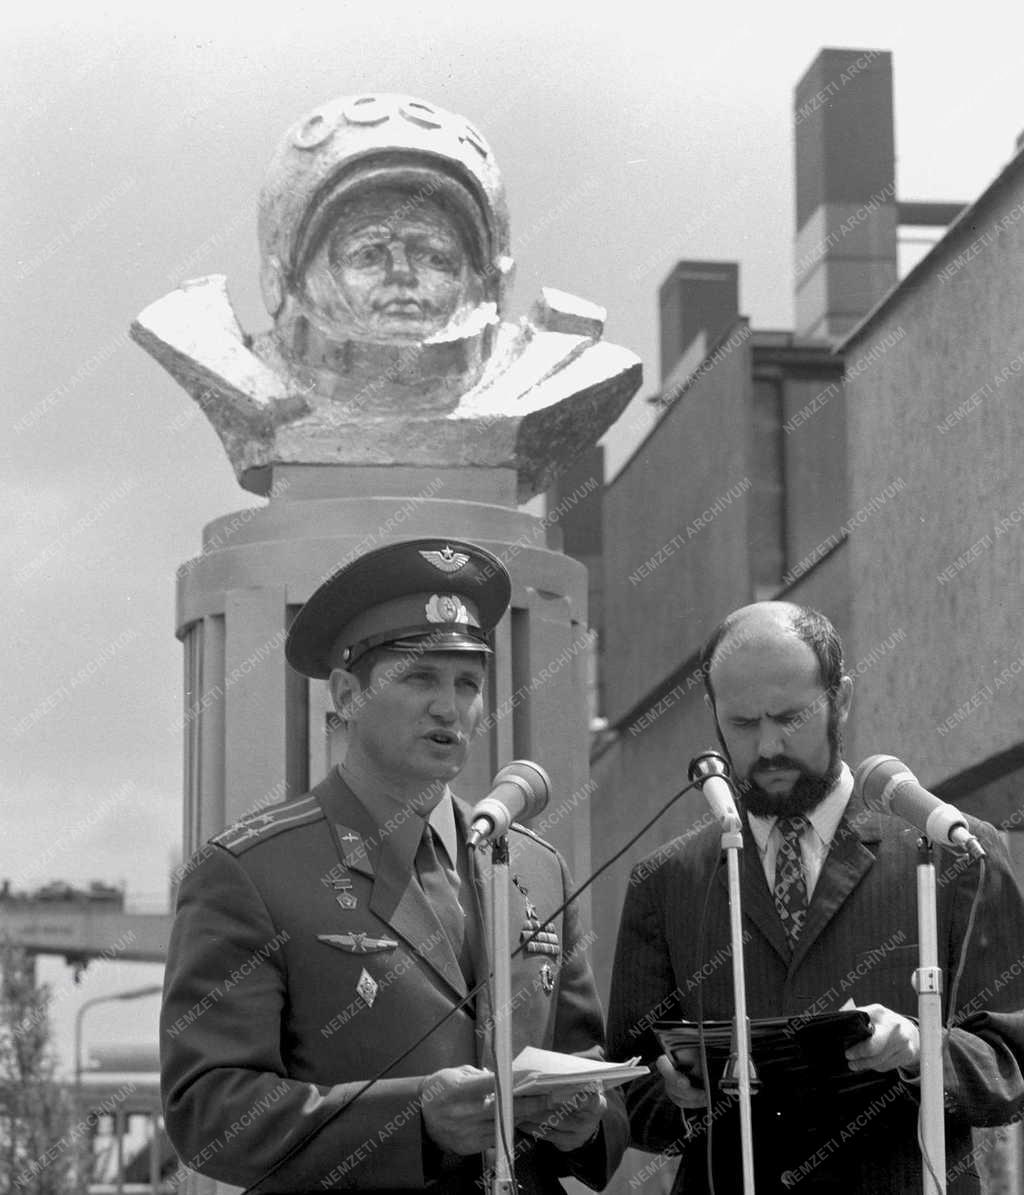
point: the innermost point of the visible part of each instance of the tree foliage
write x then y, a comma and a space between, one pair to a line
42, 1144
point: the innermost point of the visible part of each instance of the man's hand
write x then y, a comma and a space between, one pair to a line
678, 1087
567, 1119
894, 1042
457, 1113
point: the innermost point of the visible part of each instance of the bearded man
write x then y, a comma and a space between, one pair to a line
830, 919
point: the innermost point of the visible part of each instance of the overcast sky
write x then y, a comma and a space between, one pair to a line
134, 146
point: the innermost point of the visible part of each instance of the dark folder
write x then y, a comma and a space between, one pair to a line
799, 1062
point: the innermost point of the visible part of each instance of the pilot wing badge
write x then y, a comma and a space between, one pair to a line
358, 943
447, 560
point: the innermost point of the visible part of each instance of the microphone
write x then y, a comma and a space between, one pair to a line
883, 781
520, 791
711, 771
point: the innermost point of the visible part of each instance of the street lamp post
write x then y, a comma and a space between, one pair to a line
131, 994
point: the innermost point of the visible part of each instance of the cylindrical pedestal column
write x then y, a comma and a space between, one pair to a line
256, 732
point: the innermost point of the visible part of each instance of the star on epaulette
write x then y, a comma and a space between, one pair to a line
447, 560
264, 826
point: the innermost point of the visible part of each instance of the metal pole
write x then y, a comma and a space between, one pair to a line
119, 1119
78, 1045
732, 844
928, 985
501, 996
154, 1151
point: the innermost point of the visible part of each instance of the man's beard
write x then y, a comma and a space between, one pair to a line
809, 789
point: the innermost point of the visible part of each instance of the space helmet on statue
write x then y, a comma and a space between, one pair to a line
346, 153
386, 269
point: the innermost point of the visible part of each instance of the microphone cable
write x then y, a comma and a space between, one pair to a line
470, 995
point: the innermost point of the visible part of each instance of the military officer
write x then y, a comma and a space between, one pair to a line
313, 1031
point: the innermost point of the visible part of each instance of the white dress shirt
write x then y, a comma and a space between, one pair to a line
815, 840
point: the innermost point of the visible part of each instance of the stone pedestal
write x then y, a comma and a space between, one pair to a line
256, 732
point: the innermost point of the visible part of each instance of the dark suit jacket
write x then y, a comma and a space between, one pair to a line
267, 1030
860, 942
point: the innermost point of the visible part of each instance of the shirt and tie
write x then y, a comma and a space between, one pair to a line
793, 852
426, 846
436, 870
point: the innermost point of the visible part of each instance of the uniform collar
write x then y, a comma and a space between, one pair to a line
442, 819
399, 824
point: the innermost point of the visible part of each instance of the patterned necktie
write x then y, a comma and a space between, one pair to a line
790, 889
441, 886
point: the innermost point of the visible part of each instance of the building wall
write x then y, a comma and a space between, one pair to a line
814, 446
675, 550
697, 297
943, 412
635, 778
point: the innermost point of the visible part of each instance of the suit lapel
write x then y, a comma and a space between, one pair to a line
758, 905
849, 859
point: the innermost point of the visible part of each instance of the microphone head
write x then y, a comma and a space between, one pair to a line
532, 780
874, 775
708, 763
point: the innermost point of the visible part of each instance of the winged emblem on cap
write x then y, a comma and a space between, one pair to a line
447, 560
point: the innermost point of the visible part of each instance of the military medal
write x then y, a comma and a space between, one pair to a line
547, 979
540, 941
537, 939
367, 988
344, 898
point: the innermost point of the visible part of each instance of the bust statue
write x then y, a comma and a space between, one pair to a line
386, 268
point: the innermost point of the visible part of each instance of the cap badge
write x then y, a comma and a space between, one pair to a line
447, 560
446, 607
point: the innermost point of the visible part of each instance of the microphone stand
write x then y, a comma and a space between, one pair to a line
732, 844
503, 1182
928, 985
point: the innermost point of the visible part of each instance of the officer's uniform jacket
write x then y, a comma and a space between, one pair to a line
304, 959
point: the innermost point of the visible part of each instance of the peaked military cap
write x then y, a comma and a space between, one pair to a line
420, 594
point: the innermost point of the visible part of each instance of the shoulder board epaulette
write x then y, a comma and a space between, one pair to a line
259, 827
534, 835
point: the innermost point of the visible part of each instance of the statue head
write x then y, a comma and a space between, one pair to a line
389, 266
383, 222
